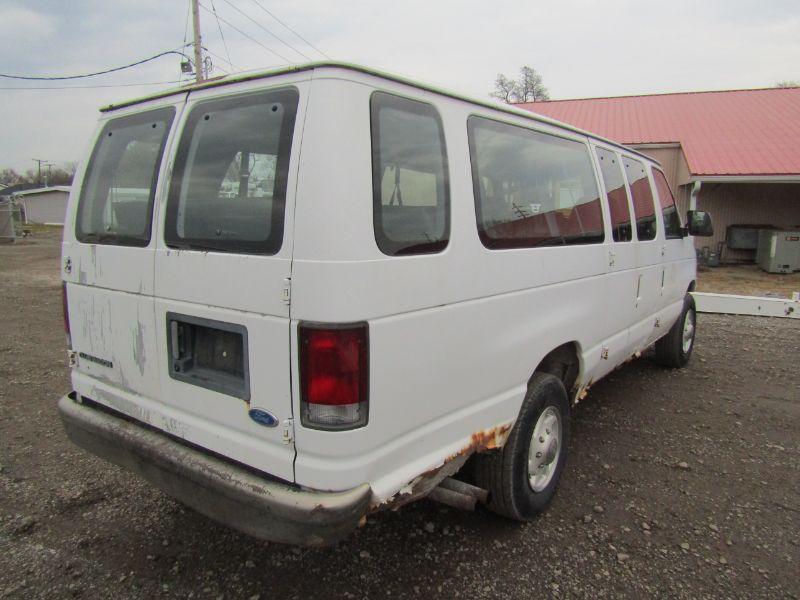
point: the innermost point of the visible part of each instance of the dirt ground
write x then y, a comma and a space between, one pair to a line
748, 280
679, 484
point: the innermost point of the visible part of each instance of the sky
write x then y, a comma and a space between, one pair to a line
582, 48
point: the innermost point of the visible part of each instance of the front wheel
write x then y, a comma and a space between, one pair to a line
522, 476
675, 349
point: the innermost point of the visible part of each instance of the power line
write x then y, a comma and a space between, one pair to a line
224, 43
222, 35
239, 10
222, 58
90, 87
185, 34
251, 38
210, 65
137, 63
257, 3
186, 23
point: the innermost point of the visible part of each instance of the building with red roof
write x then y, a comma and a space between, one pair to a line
737, 152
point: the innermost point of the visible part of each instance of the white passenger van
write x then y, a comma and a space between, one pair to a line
297, 297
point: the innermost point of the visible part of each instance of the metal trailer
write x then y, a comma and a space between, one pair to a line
778, 251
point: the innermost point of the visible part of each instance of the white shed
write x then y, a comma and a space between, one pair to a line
44, 205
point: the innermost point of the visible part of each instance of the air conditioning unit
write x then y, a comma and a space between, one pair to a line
778, 251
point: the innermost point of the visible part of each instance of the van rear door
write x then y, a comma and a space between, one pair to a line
222, 273
107, 256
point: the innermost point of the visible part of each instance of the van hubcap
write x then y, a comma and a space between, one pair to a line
688, 331
545, 448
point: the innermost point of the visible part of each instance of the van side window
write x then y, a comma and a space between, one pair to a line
532, 188
672, 222
642, 194
116, 201
617, 196
228, 190
410, 186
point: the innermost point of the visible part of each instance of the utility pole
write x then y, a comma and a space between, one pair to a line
47, 176
198, 48
39, 162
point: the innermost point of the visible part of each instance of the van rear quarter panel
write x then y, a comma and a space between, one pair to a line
454, 336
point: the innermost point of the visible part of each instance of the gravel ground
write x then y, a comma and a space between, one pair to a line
679, 483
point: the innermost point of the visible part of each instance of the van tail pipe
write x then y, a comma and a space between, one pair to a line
458, 494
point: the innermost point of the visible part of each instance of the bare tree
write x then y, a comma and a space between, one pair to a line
789, 83
505, 89
60, 176
531, 87
9, 177
528, 88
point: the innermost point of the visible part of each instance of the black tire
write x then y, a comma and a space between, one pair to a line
670, 350
504, 472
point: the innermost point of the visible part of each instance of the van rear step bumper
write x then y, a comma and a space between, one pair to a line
227, 493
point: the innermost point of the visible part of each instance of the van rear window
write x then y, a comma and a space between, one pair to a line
532, 188
228, 189
410, 187
116, 201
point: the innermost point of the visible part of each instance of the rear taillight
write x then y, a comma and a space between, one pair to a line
334, 375
65, 308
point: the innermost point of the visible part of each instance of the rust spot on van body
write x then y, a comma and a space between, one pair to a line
583, 391
489, 439
419, 487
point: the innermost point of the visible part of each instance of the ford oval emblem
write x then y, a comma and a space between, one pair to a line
262, 417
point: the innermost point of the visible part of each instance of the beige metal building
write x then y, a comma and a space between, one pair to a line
735, 154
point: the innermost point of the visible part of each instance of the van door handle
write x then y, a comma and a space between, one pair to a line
663, 250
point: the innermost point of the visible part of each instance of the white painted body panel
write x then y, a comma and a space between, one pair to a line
453, 337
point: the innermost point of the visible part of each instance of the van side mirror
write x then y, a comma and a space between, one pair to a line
698, 223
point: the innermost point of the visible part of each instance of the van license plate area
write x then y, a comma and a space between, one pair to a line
210, 354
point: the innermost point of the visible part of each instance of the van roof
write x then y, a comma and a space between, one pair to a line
238, 78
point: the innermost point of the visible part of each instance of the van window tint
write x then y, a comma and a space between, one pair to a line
642, 195
672, 222
410, 188
116, 201
531, 188
228, 190
617, 196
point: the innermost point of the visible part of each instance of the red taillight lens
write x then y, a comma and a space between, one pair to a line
334, 375
65, 309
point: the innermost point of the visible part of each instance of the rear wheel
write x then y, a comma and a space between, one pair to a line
522, 477
675, 349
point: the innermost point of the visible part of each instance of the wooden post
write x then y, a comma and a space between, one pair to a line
198, 48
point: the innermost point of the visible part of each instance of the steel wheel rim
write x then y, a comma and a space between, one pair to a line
688, 331
545, 449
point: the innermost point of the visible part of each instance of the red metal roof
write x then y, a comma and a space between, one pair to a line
739, 132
